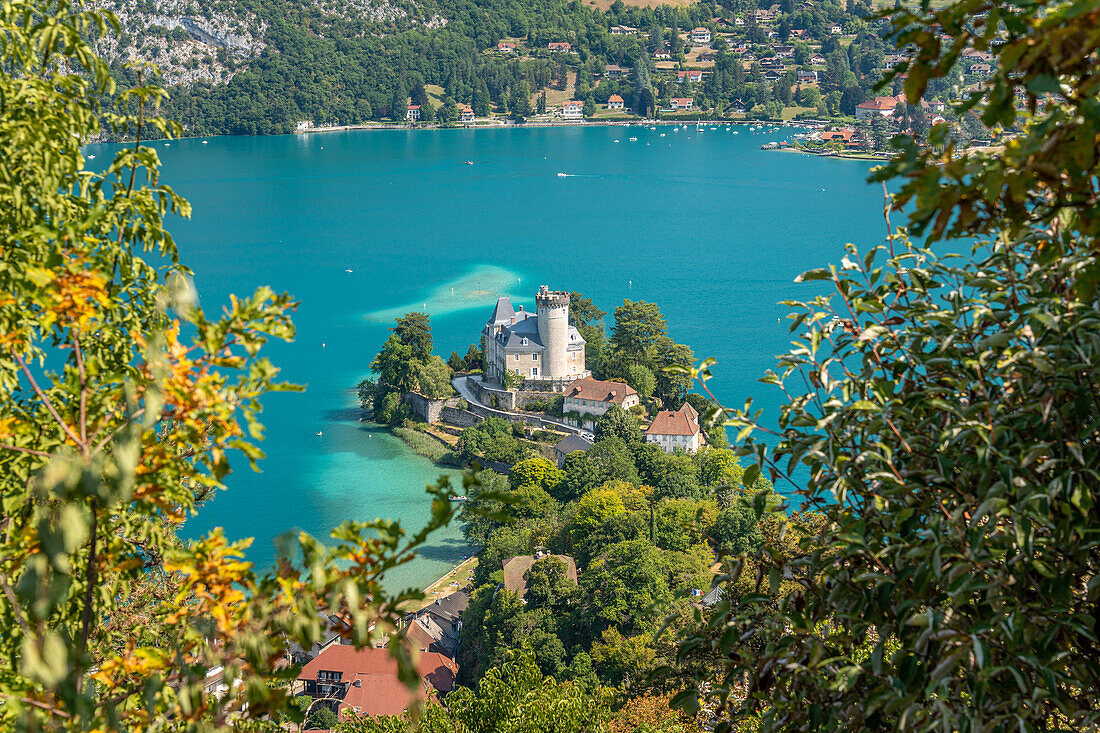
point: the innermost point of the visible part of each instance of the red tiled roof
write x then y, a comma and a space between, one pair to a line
681, 100
414, 106
594, 389
614, 98
684, 421
379, 691
879, 103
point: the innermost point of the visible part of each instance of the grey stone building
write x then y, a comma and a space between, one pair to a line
541, 347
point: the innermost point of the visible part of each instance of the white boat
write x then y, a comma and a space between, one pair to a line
204, 142
167, 145
563, 175
91, 157
633, 139
662, 134
614, 141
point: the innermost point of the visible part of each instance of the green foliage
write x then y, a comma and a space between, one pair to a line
945, 421
736, 531
321, 717
493, 440
406, 364
535, 471
120, 402
628, 585
618, 423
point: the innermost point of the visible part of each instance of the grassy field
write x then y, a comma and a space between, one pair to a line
789, 113
557, 97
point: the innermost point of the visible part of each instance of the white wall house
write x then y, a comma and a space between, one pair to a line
593, 397
700, 35
573, 110
680, 429
413, 113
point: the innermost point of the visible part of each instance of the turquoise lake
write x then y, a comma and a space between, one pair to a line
362, 226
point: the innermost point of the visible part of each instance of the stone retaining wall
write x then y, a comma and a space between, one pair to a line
459, 418
424, 408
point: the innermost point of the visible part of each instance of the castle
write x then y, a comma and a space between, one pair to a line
539, 347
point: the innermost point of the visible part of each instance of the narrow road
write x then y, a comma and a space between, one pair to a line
467, 391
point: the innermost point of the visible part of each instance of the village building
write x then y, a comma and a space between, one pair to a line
573, 110
707, 57
680, 429
614, 71
466, 115
412, 114
506, 47
540, 346
365, 682
936, 106
817, 59
738, 22
883, 106
614, 102
570, 444
622, 30
771, 75
593, 397
681, 103
663, 54
559, 47
700, 35
690, 76
516, 569
784, 52
836, 29
807, 76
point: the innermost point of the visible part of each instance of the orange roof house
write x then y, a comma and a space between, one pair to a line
364, 681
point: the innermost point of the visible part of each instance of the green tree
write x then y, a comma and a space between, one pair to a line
621, 660
514, 697
638, 327
474, 358
481, 102
953, 577
321, 717
394, 365
415, 331
618, 423
627, 586
433, 378
535, 471
549, 586
120, 402
642, 379
736, 530
455, 362
520, 100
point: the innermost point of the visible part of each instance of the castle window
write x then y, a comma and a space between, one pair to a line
517, 357
524, 342
534, 357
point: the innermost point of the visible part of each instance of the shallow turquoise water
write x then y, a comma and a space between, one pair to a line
706, 225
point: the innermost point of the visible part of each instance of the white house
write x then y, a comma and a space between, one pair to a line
559, 47
700, 35
413, 113
614, 102
682, 103
466, 115
593, 397
573, 110
679, 429
836, 29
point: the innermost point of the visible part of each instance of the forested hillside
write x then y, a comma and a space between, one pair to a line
260, 66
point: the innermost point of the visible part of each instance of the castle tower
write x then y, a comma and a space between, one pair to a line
553, 313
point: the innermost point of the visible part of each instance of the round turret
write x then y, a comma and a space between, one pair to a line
553, 313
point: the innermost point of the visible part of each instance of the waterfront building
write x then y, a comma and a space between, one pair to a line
539, 346
573, 110
614, 102
680, 429
364, 681
466, 115
412, 114
593, 397
682, 103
